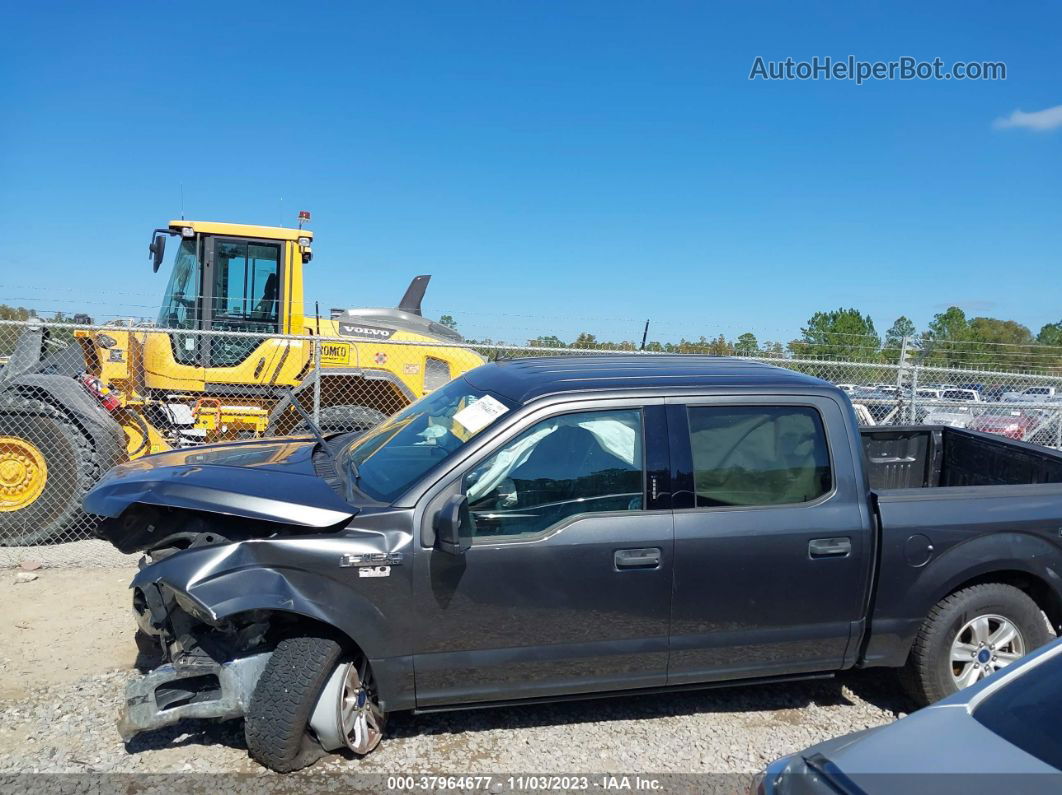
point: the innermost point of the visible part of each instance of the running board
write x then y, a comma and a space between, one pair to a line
603, 694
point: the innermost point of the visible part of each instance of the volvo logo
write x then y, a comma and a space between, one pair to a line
358, 330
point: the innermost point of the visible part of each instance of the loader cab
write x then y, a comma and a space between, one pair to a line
234, 278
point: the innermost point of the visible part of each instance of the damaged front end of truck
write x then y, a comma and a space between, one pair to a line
245, 545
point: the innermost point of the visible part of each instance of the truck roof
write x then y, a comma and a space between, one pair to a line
523, 380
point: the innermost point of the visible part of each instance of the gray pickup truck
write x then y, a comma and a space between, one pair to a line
552, 528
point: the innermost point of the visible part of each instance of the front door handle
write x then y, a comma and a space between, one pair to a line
830, 547
648, 558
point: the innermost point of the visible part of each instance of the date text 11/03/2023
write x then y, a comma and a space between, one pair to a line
525, 783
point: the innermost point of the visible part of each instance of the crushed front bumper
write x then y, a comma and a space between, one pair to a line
172, 693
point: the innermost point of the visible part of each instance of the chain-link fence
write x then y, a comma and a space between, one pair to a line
76, 400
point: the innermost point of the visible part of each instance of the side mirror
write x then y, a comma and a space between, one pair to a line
157, 249
453, 526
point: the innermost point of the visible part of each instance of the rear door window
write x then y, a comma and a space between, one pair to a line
758, 455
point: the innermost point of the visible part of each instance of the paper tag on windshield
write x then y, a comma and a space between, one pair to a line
480, 414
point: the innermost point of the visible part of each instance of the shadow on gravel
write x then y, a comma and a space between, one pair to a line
876, 688
190, 733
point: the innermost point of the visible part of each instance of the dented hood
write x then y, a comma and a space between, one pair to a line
272, 480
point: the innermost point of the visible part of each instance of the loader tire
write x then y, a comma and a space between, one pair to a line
278, 718
345, 419
47, 463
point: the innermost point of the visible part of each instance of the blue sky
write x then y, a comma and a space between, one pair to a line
557, 167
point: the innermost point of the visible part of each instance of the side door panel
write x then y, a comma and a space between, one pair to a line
583, 607
768, 590
544, 618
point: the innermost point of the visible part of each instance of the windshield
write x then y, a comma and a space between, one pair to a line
179, 304
385, 461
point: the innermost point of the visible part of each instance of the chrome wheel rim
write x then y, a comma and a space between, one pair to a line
359, 717
983, 646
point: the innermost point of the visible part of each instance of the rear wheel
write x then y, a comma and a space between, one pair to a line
46, 466
969, 635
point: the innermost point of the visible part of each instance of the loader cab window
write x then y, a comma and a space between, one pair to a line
246, 286
245, 296
180, 304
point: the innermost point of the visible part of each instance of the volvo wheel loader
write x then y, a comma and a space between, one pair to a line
231, 353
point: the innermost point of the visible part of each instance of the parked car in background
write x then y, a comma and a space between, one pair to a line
954, 408
962, 395
1000, 735
848, 387
993, 393
1012, 423
1031, 394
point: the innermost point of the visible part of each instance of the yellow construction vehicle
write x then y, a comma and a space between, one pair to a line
230, 354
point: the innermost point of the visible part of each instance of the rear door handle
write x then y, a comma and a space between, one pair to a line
830, 547
648, 558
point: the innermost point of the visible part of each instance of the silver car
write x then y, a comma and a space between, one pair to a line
1000, 735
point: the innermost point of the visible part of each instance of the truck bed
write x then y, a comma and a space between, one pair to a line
926, 456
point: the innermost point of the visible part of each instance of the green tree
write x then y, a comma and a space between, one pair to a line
448, 321
549, 341
1051, 334
746, 344
840, 334
945, 341
585, 340
902, 327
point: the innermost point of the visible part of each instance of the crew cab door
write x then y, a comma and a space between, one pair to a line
772, 537
567, 585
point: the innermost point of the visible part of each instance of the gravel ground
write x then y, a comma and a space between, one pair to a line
91, 552
58, 724
71, 728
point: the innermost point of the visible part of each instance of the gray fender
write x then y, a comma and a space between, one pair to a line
893, 633
984, 555
290, 576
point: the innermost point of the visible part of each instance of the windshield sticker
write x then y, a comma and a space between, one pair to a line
480, 414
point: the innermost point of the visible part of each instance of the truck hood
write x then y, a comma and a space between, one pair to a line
272, 481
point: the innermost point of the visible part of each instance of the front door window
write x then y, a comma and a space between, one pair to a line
563, 466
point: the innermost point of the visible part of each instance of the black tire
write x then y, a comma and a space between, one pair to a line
927, 676
344, 419
279, 714
72, 468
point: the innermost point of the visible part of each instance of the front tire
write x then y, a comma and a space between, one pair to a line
969, 635
287, 726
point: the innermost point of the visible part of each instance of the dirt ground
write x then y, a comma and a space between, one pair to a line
65, 625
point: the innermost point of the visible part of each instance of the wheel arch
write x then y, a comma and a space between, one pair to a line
1009, 557
1032, 584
